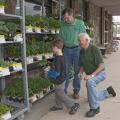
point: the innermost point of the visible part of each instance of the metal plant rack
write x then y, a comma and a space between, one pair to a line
25, 107
20, 109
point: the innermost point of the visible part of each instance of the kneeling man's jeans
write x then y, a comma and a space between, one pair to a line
95, 97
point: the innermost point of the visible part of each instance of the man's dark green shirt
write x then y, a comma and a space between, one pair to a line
90, 59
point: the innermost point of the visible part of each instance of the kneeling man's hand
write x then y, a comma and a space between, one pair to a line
87, 77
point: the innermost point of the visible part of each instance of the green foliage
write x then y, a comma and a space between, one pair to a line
38, 84
4, 109
12, 50
35, 48
3, 63
47, 47
54, 23
2, 2
8, 29
3, 28
12, 29
42, 22
15, 88
29, 20
35, 84
44, 63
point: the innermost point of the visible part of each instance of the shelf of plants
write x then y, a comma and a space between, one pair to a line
37, 32
40, 31
39, 51
12, 33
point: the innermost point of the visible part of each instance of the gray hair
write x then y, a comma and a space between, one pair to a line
84, 36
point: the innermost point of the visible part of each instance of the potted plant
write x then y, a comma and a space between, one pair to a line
13, 51
36, 51
36, 24
18, 37
4, 68
11, 31
51, 25
4, 112
29, 21
15, 66
3, 29
47, 50
56, 26
14, 91
30, 53
44, 24
2, 6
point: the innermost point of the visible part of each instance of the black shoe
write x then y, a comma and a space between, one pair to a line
111, 91
54, 108
92, 112
74, 109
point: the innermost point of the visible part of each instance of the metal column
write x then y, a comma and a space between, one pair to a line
25, 77
60, 15
43, 7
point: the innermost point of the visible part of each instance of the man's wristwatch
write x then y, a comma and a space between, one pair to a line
80, 74
92, 76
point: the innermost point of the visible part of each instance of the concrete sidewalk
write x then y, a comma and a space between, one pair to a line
110, 108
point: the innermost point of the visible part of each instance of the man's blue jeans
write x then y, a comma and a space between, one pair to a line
95, 97
72, 59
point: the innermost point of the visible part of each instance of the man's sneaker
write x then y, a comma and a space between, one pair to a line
74, 109
76, 96
111, 91
92, 112
54, 108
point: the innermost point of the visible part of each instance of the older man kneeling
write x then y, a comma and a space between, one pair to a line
92, 64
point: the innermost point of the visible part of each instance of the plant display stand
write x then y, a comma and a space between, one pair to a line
19, 109
24, 46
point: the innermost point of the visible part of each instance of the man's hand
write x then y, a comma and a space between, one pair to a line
88, 77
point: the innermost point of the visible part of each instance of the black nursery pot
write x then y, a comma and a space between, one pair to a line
35, 59
9, 39
9, 98
44, 91
51, 87
15, 99
11, 68
17, 60
20, 99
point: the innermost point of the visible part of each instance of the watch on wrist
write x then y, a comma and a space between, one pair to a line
92, 76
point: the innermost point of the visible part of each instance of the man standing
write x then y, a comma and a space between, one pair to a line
69, 30
91, 63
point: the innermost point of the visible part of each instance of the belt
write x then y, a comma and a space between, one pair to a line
71, 47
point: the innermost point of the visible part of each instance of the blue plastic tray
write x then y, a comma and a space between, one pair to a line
53, 74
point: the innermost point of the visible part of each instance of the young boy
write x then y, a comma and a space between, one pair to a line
59, 66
